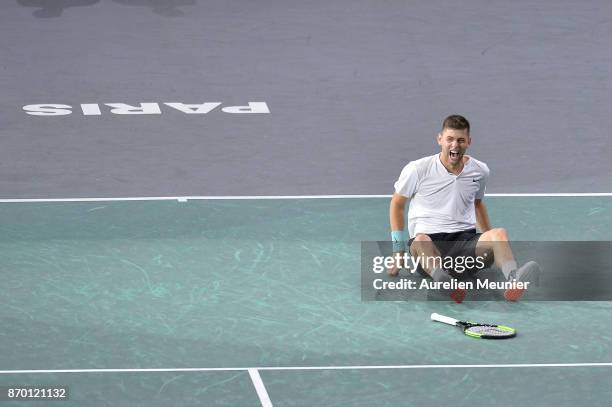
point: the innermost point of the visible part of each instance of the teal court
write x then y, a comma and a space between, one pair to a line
251, 302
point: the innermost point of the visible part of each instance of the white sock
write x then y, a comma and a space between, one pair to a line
439, 274
508, 267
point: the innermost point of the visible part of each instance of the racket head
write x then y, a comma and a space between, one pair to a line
487, 331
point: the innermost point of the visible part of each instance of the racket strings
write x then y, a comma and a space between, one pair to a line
489, 330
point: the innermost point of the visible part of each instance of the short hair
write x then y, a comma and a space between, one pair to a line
456, 122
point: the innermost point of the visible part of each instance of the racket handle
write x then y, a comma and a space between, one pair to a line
442, 318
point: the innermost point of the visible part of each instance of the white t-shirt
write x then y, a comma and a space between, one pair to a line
440, 201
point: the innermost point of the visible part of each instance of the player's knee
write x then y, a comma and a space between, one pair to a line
499, 234
502, 234
422, 238
422, 244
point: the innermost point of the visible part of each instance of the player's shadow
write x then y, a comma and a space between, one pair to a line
53, 8
166, 8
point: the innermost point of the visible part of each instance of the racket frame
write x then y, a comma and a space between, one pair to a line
466, 325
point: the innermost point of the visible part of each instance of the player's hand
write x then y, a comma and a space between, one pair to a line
397, 266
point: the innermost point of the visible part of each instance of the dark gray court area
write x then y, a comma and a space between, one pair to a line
354, 90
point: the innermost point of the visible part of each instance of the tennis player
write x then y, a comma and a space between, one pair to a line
446, 193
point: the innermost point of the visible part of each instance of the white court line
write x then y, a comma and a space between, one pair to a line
260, 388
273, 197
281, 368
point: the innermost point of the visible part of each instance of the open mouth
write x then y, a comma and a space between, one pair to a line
454, 154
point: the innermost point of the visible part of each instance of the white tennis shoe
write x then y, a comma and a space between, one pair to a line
528, 272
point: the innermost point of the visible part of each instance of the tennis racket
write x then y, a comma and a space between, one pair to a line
476, 330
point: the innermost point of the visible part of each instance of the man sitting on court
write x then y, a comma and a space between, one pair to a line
446, 192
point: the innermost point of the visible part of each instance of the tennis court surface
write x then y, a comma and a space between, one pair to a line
185, 186
168, 302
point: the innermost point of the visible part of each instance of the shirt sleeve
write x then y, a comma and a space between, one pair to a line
483, 183
406, 185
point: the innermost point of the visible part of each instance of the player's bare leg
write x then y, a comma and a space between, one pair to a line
422, 247
430, 261
495, 242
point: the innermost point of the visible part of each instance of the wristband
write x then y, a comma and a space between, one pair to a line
399, 239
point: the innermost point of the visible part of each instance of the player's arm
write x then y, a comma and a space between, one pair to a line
482, 216
397, 209
405, 187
